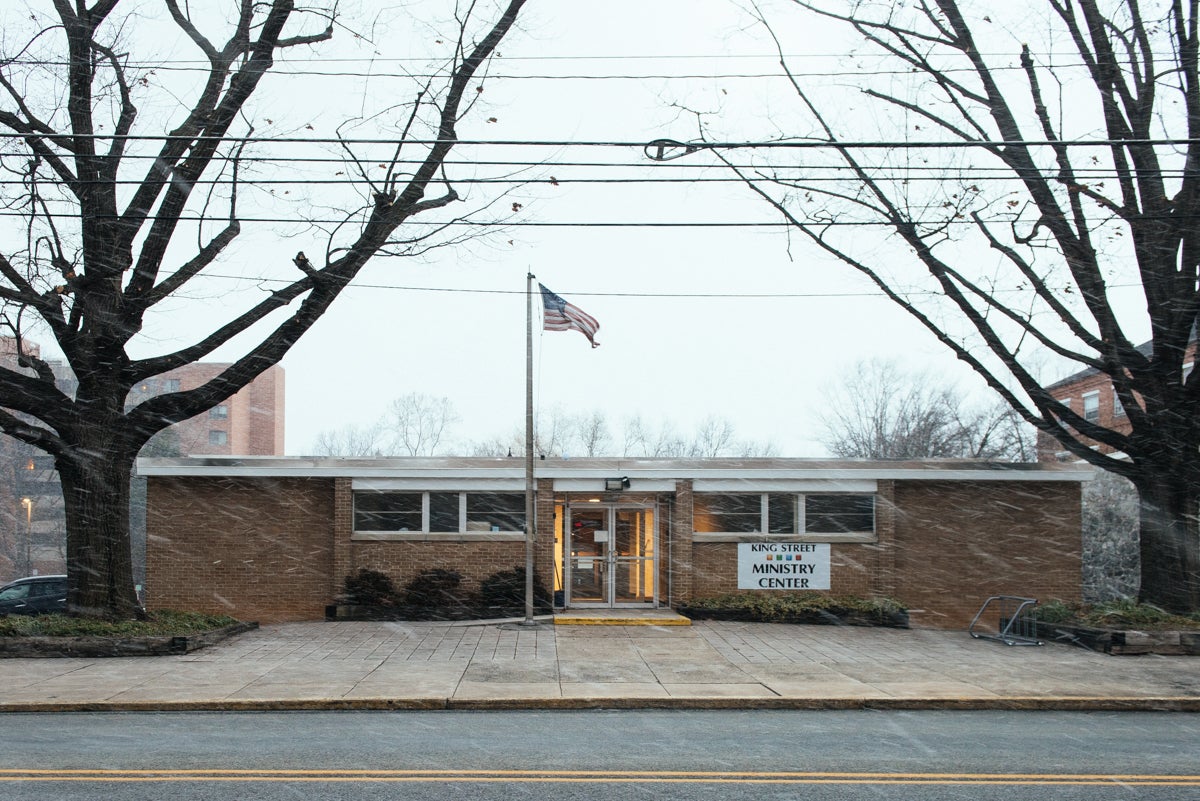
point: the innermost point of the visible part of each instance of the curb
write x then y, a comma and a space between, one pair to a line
1055, 704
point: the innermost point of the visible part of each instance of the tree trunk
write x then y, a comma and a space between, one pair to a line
1170, 542
95, 486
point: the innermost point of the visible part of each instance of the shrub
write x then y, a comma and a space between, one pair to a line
506, 589
162, 622
800, 608
370, 587
1122, 613
434, 588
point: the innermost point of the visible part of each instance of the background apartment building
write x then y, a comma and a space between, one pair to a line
1090, 394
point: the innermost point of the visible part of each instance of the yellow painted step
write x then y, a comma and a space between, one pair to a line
620, 617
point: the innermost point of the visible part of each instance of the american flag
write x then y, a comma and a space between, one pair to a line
558, 315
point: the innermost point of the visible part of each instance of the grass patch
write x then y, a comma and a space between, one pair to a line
801, 608
159, 624
1122, 614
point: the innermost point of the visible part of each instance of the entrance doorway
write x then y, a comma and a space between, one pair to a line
610, 556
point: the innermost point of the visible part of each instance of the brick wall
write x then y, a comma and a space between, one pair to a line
402, 561
957, 544
257, 549
684, 582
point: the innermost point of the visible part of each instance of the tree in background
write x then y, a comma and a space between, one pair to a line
415, 424
1016, 184
881, 412
419, 424
121, 217
351, 440
562, 434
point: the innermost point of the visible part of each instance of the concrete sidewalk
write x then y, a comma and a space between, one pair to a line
353, 665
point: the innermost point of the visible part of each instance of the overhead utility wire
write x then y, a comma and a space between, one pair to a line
683, 295
351, 216
767, 144
716, 76
643, 164
1003, 175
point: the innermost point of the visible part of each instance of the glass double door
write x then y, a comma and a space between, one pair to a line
611, 556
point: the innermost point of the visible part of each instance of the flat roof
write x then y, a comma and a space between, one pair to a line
511, 467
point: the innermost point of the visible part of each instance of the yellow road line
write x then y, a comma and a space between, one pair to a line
597, 777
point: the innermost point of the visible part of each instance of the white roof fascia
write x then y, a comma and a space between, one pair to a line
785, 485
439, 483
663, 476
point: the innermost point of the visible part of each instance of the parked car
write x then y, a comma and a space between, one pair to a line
34, 595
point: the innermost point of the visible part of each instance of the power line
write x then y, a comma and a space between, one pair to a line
766, 144
649, 295
935, 176
284, 70
958, 219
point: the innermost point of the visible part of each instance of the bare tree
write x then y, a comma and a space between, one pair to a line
415, 424
351, 440
1076, 171
562, 434
418, 423
713, 438
881, 412
110, 204
592, 433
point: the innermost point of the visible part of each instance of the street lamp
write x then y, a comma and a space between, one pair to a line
28, 504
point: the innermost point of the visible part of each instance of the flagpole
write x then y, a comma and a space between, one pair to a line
530, 505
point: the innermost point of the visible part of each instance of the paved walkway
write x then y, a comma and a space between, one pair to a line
348, 665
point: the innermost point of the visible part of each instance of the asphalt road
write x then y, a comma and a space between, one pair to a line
691, 755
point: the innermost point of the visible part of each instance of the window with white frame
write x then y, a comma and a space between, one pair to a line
438, 512
388, 511
1091, 406
495, 511
216, 437
220, 411
1118, 407
784, 513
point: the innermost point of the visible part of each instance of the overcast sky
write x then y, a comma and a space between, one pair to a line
742, 322
678, 342
760, 361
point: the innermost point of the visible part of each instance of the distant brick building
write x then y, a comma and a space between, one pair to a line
251, 423
32, 522
1090, 394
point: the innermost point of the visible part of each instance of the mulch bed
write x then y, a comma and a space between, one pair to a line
93, 647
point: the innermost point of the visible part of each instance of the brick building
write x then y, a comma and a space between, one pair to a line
1090, 394
273, 539
251, 423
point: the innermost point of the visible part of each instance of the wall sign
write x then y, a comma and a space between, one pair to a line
783, 565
